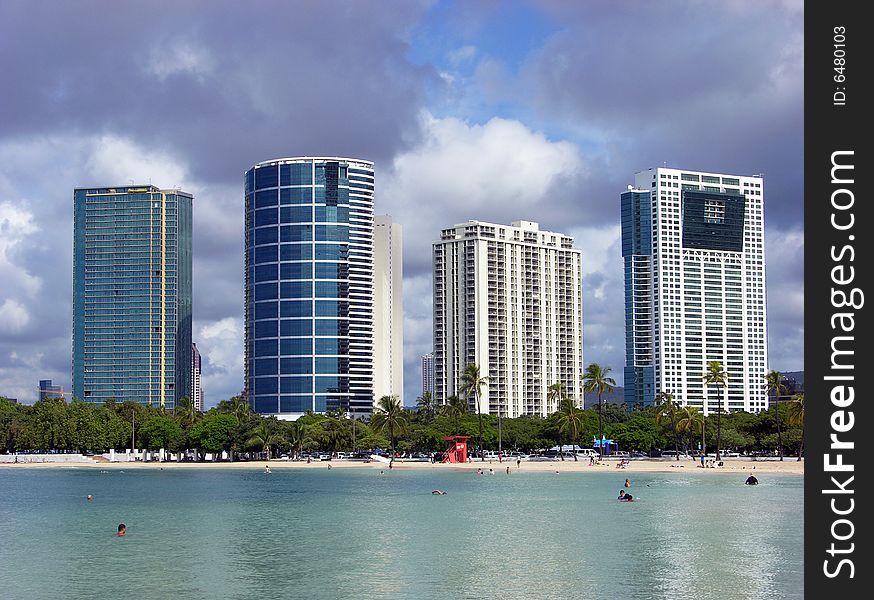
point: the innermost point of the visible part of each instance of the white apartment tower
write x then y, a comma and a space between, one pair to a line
693, 246
508, 298
196, 390
428, 373
388, 312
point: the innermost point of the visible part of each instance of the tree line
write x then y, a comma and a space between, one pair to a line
53, 424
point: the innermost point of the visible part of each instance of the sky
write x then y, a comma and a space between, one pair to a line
498, 111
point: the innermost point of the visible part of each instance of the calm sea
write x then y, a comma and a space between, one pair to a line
353, 533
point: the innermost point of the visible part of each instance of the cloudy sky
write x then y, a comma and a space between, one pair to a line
539, 110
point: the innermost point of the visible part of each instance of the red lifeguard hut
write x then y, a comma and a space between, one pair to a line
457, 451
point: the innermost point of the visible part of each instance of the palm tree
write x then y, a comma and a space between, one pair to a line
263, 438
455, 408
186, 413
570, 419
472, 383
774, 383
667, 409
715, 375
796, 417
391, 416
241, 409
557, 393
425, 404
298, 435
596, 380
691, 420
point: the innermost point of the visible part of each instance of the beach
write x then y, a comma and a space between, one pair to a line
789, 466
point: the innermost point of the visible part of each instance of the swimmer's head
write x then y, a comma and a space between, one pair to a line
121, 529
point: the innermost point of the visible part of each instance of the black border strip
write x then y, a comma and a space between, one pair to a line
837, 241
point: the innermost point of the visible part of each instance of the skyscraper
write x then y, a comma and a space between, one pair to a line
309, 286
132, 294
693, 247
428, 373
509, 299
196, 390
47, 390
388, 305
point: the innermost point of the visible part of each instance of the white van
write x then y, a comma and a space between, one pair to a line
587, 453
673, 454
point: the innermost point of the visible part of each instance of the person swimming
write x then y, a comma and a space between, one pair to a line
121, 530
267, 469
627, 483
751, 480
625, 497
438, 492
89, 497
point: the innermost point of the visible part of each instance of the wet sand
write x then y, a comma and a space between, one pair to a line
790, 465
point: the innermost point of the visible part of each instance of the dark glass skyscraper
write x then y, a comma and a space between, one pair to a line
309, 285
132, 295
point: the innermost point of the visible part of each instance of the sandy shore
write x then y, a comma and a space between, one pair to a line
789, 466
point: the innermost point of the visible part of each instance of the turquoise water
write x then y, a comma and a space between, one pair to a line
353, 533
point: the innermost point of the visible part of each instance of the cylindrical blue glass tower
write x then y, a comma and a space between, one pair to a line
309, 285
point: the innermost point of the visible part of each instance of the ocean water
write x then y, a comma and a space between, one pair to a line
353, 533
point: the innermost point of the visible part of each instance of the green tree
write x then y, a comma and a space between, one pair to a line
692, 421
570, 421
667, 410
774, 384
390, 417
472, 383
160, 431
297, 434
264, 437
186, 413
85, 432
51, 428
796, 418
455, 408
425, 404
596, 380
717, 376
213, 432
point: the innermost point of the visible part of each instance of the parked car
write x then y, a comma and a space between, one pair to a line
673, 454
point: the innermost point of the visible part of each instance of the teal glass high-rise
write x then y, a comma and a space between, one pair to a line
309, 286
132, 295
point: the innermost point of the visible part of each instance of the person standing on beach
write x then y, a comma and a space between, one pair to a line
518, 462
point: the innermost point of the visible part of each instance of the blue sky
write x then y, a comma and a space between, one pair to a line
538, 110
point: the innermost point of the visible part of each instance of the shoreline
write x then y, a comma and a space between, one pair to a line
787, 467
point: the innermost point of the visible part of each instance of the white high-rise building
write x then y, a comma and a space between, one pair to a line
196, 390
388, 309
428, 373
508, 298
693, 246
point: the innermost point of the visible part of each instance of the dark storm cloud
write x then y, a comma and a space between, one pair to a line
226, 84
698, 85
177, 93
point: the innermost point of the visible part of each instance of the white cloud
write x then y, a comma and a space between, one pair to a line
120, 161
221, 345
13, 316
501, 171
16, 225
180, 57
462, 54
